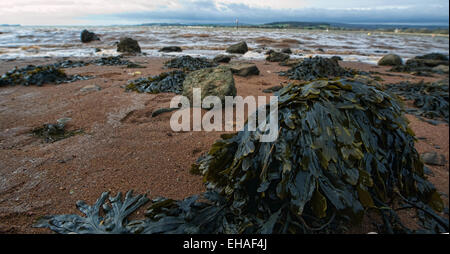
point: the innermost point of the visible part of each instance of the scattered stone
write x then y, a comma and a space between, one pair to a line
90, 88
171, 49
128, 45
222, 59
286, 51
217, 81
244, 69
320, 50
433, 158
87, 36
70, 64
167, 82
390, 60
277, 57
189, 63
238, 48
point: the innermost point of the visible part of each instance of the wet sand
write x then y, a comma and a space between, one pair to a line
122, 146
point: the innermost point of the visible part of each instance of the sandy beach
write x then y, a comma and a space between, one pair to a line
122, 146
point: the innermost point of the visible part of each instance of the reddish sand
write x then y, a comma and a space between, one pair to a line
123, 147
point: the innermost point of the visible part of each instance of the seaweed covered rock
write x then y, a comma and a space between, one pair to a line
431, 99
189, 63
390, 60
423, 65
277, 57
87, 36
128, 45
167, 82
216, 81
33, 75
314, 68
344, 148
238, 48
111, 61
170, 49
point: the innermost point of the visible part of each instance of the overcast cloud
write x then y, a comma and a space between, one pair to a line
104, 12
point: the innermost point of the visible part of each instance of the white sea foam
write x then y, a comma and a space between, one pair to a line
29, 41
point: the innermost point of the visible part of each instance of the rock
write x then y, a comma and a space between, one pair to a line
433, 158
64, 120
244, 69
425, 63
336, 58
238, 48
441, 69
390, 60
320, 50
217, 81
171, 49
277, 57
89, 88
291, 62
286, 51
98, 50
433, 56
87, 36
270, 51
128, 45
222, 59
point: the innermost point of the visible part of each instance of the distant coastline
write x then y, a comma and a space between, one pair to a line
401, 28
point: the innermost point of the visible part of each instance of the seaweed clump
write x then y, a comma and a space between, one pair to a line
189, 63
33, 75
344, 149
111, 60
431, 99
38, 75
54, 132
167, 82
316, 67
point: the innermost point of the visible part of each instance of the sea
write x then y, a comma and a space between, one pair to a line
22, 42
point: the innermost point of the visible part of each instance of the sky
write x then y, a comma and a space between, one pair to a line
109, 12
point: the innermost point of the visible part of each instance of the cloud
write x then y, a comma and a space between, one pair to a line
65, 12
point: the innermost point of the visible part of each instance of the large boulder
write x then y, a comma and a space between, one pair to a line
87, 36
217, 81
128, 45
170, 49
277, 57
390, 60
244, 69
238, 48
